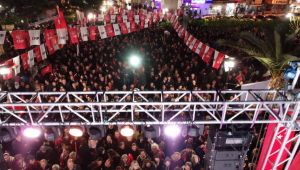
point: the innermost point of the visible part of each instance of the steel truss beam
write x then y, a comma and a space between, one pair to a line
157, 108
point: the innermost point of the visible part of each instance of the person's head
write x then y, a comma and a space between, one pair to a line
135, 165
108, 139
134, 147
99, 161
6, 156
167, 162
157, 160
124, 158
70, 164
143, 153
55, 167
117, 134
122, 145
107, 163
43, 163
188, 166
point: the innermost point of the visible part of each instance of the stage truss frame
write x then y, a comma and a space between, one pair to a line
156, 108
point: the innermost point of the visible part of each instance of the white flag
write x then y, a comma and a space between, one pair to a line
113, 18
198, 48
62, 35
101, 17
43, 51
125, 19
2, 36
189, 39
128, 26
84, 33
34, 36
30, 58
17, 67
137, 19
146, 23
117, 29
102, 32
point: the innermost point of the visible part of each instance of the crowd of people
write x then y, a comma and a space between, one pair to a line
167, 64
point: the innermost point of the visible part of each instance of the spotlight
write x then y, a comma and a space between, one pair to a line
289, 15
172, 131
91, 16
76, 131
4, 70
127, 131
32, 132
103, 9
135, 61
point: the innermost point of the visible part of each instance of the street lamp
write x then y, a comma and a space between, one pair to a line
228, 64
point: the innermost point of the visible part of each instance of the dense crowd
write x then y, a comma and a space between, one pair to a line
167, 64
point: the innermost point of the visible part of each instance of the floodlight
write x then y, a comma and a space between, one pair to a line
32, 132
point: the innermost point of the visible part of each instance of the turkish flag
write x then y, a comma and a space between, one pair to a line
218, 59
132, 27
92, 33
123, 28
109, 30
51, 40
73, 35
60, 22
207, 55
107, 18
37, 54
46, 70
119, 19
20, 39
24, 58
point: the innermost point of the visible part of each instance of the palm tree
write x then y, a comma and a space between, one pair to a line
274, 49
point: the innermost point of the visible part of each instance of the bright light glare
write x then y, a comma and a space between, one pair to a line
4, 70
289, 15
127, 131
135, 61
91, 16
229, 64
109, 3
0, 6
165, 10
76, 132
172, 131
103, 9
32, 132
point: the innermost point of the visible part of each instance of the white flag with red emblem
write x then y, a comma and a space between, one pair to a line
113, 18
62, 35
125, 18
84, 33
43, 51
192, 43
218, 59
34, 36
2, 36
195, 45
128, 26
137, 19
17, 66
102, 31
117, 29
100, 17
198, 48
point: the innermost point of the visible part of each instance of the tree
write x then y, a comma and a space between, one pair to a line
274, 49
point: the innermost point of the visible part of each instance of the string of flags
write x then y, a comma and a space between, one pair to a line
198, 47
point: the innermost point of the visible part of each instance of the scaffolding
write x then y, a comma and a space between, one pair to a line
156, 108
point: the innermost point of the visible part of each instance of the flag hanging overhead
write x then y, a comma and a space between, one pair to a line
92, 33
84, 33
102, 32
116, 29
34, 36
73, 35
218, 59
62, 35
20, 39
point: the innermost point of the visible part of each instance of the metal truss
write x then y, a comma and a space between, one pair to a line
248, 107
145, 107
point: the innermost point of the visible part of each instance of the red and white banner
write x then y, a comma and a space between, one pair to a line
37, 54
107, 18
195, 46
125, 18
123, 28
46, 70
30, 58
192, 43
93, 33
202, 50
116, 29
132, 27
102, 32
198, 48
137, 19
73, 35
25, 63
207, 54
100, 17
62, 35
109, 30
2, 36
34, 36
17, 65
43, 52
84, 33
218, 59
20, 39
119, 19
112, 18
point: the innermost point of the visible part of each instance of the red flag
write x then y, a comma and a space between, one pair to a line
130, 17
132, 27
218, 59
202, 50
296, 162
20, 39
60, 21
119, 19
123, 28
206, 57
73, 35
51, 40
37, 53
109, 30
46, 70
92, 33
107, 18
25, 63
